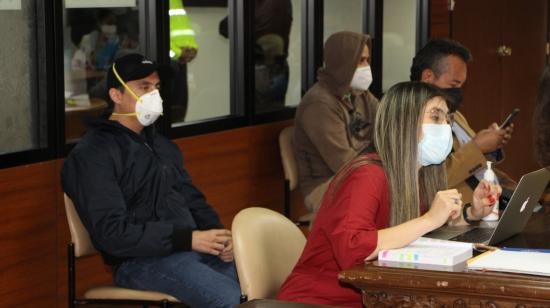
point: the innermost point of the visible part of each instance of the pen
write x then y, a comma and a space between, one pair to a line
526, 249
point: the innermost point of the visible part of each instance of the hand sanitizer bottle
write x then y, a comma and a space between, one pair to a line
490, 176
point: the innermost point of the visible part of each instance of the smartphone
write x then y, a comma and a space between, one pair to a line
509, 118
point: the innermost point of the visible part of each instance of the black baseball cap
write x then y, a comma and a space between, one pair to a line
133, 67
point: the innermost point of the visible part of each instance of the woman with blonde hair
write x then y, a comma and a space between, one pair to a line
386, 197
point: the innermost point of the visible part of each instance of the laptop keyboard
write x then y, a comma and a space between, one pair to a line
477, 235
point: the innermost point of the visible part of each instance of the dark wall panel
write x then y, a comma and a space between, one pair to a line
235, 169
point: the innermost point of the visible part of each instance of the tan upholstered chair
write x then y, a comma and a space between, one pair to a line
267, 245
290, 169
81, 246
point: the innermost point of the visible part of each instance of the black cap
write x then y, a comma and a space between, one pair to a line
131, 67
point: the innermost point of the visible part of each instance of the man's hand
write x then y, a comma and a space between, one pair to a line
508, 135
187, 55
227, 253
211, 241
493, 138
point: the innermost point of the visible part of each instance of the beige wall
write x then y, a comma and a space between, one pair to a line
17, 67
399, 41
208, 73
342, 15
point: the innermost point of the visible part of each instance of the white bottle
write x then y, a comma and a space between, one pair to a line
490, 176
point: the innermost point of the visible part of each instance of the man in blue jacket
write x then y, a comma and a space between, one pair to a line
150, 223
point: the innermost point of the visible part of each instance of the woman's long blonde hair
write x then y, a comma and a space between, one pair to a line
397, 126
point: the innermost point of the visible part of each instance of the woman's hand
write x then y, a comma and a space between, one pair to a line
485, 197
447, 205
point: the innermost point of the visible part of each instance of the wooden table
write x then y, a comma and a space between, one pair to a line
399, 286
75, 115
272, 303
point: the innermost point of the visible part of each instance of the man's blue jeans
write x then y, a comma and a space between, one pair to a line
196, 279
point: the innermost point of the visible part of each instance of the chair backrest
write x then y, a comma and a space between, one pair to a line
287, 156
79, 235
267, 245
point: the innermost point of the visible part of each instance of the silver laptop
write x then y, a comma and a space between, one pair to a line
512, 220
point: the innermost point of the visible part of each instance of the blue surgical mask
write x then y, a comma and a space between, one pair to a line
436, 144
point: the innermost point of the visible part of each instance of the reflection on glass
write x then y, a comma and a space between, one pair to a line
294, 91
200, 56
342, 16
399, 41
22, 111
93, 38
272, 23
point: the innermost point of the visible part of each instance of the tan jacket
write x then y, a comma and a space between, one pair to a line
465, 160
323, 140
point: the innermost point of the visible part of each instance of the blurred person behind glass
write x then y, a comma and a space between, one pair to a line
183, 49
107, 43
272, 24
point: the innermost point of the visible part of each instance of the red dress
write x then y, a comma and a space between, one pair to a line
345, 232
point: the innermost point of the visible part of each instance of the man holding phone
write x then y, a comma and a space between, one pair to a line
443, 62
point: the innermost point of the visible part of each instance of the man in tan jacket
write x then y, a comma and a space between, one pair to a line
335, 117
443, 62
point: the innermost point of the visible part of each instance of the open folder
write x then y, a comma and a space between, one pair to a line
525, 261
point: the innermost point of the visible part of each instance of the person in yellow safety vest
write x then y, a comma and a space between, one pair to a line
183, 46
183, 49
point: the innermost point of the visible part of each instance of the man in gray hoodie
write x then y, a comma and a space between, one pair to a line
335, 117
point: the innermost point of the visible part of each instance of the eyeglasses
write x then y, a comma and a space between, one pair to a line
440, 117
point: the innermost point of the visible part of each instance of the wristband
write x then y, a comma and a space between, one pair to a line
465, 214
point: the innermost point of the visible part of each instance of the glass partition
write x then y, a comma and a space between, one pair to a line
342, 16
23, 115
277, 52
199, 51
399, 41
95, 33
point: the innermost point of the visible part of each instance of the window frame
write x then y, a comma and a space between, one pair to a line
45, 38
241, 27
373, 24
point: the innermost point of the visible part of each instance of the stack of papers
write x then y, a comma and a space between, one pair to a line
534, 262
429, 251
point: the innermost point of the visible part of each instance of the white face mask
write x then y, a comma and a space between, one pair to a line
436, 144
362, 79
148, 106
109, 30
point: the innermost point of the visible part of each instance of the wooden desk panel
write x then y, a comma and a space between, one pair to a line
393, 286
404, 287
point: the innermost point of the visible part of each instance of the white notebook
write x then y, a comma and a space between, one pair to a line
429, 251
526, 262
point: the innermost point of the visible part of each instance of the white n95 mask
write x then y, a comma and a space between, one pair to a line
149, 108
362, 79
436, 144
